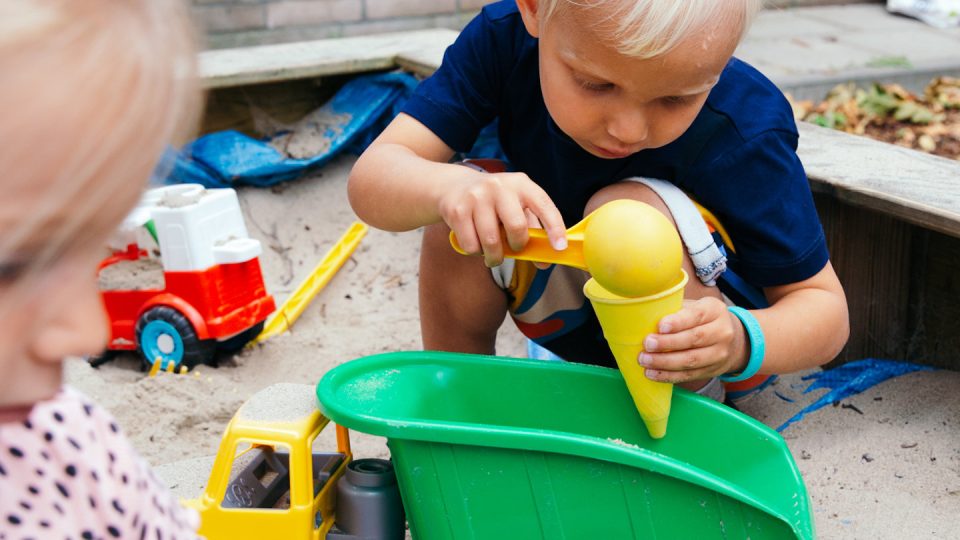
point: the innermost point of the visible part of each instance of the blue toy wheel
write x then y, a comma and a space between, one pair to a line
160, 340
165, 335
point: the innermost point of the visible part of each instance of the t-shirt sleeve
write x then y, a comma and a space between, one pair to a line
462, 96
760, 193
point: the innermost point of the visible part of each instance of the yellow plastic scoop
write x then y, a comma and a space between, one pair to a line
628, 246
538, 248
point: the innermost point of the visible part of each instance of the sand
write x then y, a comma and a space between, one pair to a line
310, 136
281, 402
138, 275
891, 472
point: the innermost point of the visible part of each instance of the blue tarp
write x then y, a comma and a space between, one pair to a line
367, 104
851, 379
230, 158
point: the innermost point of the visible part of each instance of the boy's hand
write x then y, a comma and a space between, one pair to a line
700, 341
477, 208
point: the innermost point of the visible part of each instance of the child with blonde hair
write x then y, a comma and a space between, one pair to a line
92, 92
599, 100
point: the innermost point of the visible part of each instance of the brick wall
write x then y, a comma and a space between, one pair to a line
237, 23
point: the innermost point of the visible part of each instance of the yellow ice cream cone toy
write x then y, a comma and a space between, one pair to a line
635, 256
626, 322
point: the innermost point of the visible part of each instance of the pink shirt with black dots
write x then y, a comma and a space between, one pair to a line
66, 471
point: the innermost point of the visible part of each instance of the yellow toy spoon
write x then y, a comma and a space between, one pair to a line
538, 248
628, 246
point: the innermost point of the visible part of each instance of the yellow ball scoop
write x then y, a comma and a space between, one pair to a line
629, 247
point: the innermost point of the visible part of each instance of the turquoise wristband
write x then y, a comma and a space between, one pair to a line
757, 345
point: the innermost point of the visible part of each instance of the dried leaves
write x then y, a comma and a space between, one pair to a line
890, 113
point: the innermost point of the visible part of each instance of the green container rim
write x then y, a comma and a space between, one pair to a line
519, 438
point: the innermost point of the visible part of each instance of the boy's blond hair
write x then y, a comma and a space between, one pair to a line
93, 91
650, 28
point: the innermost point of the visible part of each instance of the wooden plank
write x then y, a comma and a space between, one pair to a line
919, 188
423, 50
932, 336
901, 285
871, 255
421, 62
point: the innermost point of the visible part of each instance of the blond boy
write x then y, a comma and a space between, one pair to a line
599, 100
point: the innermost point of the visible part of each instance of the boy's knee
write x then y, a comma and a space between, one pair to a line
440, 263
436, 236
461, 307
436, 248
627, 190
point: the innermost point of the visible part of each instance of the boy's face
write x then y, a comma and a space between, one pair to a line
614, 105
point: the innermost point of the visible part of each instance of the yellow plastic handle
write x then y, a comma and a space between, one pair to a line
283, 319
538, 248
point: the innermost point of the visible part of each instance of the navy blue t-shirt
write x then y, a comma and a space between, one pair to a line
738, 159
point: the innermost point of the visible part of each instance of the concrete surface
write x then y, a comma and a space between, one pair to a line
808, 50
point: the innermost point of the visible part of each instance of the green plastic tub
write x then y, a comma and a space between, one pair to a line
488, 447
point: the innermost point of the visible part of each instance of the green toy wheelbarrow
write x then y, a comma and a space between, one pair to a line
488, 447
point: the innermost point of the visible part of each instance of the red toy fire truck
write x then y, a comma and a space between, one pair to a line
184, 280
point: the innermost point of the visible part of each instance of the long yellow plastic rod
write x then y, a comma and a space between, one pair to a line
293, 307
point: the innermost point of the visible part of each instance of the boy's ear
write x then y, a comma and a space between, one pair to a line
528, 12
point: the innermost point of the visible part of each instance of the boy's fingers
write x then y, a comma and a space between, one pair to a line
675, 377
548, 215
691, 315
678, 322
466, 236
533, 222
681, 365
698, 336
514, 220
488, 231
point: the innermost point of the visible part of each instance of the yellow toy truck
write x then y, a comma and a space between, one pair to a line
269, 480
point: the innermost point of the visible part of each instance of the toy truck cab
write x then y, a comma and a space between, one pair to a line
184, 278
267, 481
